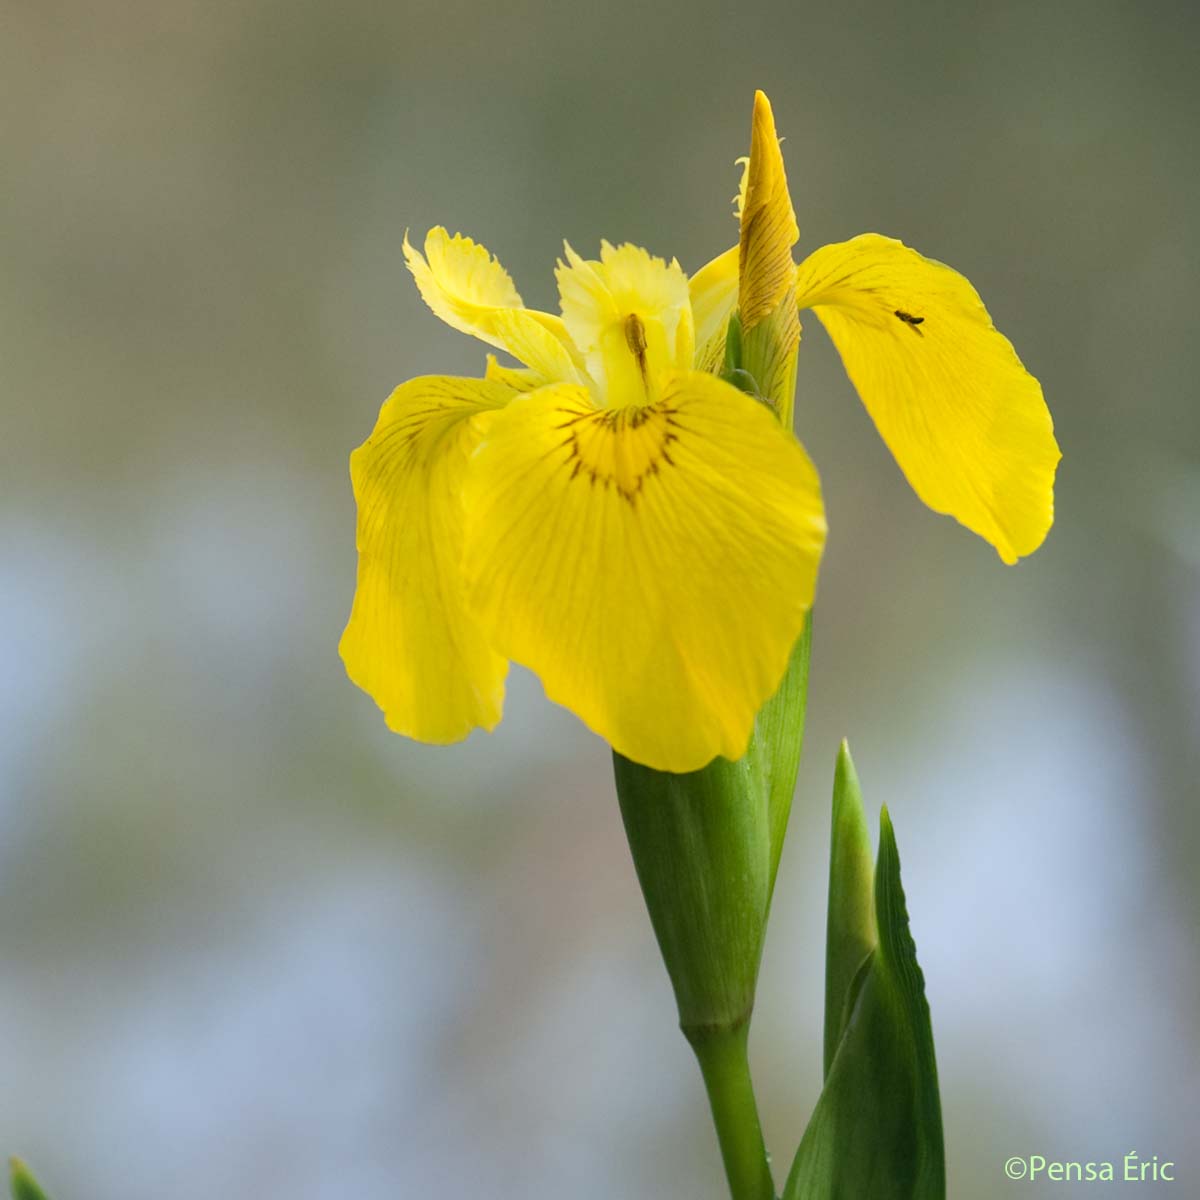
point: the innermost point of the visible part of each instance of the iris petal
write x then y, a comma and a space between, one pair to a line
714, 293
961, 415
469, 289
410, 641
652, 565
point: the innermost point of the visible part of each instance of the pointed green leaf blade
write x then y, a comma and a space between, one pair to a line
877, 1128
850, 924
899, 953
24, 1186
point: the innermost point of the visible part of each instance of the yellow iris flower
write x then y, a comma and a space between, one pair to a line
640, 533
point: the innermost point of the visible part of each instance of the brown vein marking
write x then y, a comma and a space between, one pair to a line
645, 432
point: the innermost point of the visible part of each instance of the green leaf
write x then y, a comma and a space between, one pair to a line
850, 934
24, 1186
877, 1128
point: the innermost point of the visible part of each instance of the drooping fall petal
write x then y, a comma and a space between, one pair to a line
653, 565
961, 415
410, 641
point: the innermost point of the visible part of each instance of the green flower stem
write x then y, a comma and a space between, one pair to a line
725, 1065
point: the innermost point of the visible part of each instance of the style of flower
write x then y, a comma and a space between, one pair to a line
636, 530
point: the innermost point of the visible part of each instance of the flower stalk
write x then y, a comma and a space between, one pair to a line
725, 1065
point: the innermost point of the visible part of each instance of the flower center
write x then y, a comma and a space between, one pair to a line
635, 337
633, 353
630, 315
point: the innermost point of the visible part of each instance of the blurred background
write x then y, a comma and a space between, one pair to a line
253, 944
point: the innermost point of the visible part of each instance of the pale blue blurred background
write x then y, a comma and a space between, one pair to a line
253, 944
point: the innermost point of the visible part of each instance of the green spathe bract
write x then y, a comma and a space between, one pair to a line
877, 1128
706, 846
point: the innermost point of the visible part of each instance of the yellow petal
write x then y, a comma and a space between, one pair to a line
410, 642
469, 289
518, 379
714, 293
962, 416
652, 565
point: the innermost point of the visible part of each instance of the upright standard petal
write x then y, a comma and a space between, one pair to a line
469, 289
947, 392
714, 294
653, 565
410, 641
630, 315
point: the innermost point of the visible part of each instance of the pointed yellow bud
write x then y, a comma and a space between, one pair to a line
766, 270
769, 229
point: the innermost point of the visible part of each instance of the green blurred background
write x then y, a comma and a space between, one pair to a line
253, 944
